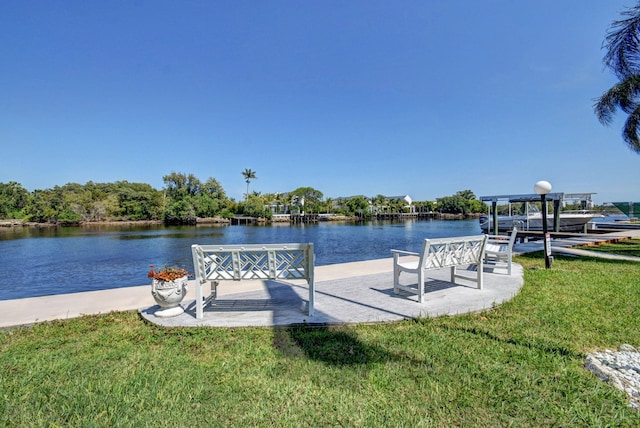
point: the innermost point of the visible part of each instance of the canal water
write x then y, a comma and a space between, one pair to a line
47, 261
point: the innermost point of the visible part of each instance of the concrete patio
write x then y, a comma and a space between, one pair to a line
363, 293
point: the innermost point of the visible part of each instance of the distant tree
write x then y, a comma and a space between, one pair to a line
328, 205
466, 194
212, 188
179, 185
463, 202
45, 205
180, 212
256, 206
179, 189
248, 175
357, 205
312, 198
138, 201
424, 206
211, 199
189, 198
623, 58
13, 200
451, 204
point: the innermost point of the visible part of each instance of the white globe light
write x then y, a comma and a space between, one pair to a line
542, 187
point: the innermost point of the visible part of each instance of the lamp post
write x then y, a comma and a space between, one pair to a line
542, 188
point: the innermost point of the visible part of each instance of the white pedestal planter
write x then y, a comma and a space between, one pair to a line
169, 295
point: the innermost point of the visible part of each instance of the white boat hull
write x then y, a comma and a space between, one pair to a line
568, 222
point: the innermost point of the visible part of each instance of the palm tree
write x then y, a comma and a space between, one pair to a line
248, 175
623, 58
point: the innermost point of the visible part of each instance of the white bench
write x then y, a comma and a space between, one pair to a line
217, 263
438, 254
499, 250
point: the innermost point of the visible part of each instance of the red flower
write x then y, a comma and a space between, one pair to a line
166, 273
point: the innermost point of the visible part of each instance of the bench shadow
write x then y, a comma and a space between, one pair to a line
335, 345
331, 345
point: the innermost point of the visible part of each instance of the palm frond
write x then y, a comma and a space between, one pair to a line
630, 130
623, 44
624, 95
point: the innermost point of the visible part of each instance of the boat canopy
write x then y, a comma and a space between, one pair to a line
532, 197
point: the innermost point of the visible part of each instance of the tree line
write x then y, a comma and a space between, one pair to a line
185, 198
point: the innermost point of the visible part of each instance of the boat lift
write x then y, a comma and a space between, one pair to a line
558, 199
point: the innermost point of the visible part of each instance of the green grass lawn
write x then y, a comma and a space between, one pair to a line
627, 247
520, 364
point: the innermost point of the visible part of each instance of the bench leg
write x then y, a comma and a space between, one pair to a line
312, 297
421, 285
199, 314
214, 290
396, 279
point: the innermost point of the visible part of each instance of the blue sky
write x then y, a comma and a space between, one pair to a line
423, 98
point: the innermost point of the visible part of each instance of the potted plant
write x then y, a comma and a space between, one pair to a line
168, 288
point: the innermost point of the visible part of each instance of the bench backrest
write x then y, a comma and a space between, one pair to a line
259, 261
456, 251
506, 242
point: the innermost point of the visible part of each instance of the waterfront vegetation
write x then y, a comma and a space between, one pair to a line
185, 198
518, 364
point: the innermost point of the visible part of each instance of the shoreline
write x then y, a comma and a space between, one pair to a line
18, 223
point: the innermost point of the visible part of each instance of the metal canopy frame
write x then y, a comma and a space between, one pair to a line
531, 197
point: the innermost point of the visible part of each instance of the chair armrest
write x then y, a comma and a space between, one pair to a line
404, 253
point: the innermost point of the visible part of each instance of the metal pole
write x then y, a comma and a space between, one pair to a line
547, 243
494, 206
556, 215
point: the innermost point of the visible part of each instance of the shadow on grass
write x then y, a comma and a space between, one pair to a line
524, 342
332, 345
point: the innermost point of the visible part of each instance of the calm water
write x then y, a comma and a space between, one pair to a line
39, 262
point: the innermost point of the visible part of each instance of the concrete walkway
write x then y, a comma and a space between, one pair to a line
345, 293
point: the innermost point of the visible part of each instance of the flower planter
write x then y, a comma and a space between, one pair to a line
169, 295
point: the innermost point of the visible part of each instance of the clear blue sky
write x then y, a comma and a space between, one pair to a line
423, 98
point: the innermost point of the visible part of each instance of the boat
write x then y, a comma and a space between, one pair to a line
530, 217
569, 222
